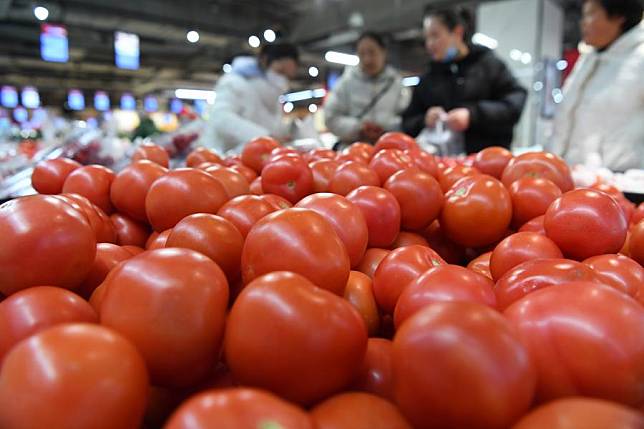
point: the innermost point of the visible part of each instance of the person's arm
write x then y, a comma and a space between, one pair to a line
394, 122
413, 118
336, 112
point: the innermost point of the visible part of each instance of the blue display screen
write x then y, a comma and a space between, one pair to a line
54, 46
128, 102
30, 97
126, 50
332, 79
75, 99
150, 104
20, 114
101, 101
200, 106
176, 106
9, 96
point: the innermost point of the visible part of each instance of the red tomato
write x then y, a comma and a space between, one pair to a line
129, 232
443, 283
351, 175
395, 140
279, 151
164, 300
323, 171
212, 236
107, 257
158, 240
131, 185
627, 207
45, 378
577, 412
559, 324
448, 177
398, 269
234, 183
280, 336
534, 225
371, 260
45, 241
248, 173
201, 155
277, 202
539, 165
356, 410
345, 218
518, 248
32, 310
635, 243
419, 195
530, 276
318, 154
152, 152
92, 182
531, 197
365, 151
181, 193
233, 160
389, 161
376, 373
359, 292
97, 219
344, 156
477, 211
638, 214
255, 187
424, 161
289, 177
461, 365
618, 271
238, 408
481, 264
257, 151
381, 211
579, 215
133, 250
408, 239
297, 240
49, 175
492, 161
244, 211
451, 252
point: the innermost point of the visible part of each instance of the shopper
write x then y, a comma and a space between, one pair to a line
466, 86
603, 108
369, 98
247, 99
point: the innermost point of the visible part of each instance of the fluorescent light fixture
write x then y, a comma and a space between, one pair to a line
227, 68
313, 108
515, 54
485, 40
288, 107
269, 35
562, 65
304, 95
192, 36
254, 41
411, 81
526, 58
319, 93
195, 94
342, 58
313, 71
41, 13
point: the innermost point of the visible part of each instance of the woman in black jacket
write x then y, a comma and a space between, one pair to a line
466, 86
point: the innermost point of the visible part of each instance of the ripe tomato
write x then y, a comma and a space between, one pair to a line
461, 365
618, 271
395, 140
477, 211
531, 197
530, 276
238, 408
212, 236
559, 323
92, 182
365, 151
351, 175
234, 182
492, 161
635, 243
181, 193
297, 340
49, 175
578, 412
130, 187
201, 155
518, 248
371, 260
255, 187
376, 373
359, 292
424, 161
248, 173
451, 252
169, 299
107, 257
534, 225
45, 378
579, 215
443, 283
381, 211
449, 176
289, 177
345, 218
323, 171
257, 151
318, 154
129, 232
398, 269
158, 240
388, 161
539, 165
278, 152
244, 211
357, 410
297, 240
419, 195
481, 264
152, 152
32, 310
408, 239
277, 202
638, 214
45, 241
133, 250
97, 219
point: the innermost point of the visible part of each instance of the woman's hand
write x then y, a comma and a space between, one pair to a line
458, 119
433, 115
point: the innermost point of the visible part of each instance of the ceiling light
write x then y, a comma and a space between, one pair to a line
313, 71
41, 13
342, 58
192, 36
269, 36
254, 41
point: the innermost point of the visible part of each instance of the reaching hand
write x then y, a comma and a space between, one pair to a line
458, 119
433, 115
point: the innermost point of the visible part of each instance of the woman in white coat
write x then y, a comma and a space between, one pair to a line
603, 108
368, 99
247, 99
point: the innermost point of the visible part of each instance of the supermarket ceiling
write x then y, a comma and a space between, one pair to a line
168, 60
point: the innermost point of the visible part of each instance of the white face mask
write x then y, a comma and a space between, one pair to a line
277, 80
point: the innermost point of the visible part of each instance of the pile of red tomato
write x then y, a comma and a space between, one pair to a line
375, 288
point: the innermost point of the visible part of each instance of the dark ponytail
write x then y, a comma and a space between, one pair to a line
453, 17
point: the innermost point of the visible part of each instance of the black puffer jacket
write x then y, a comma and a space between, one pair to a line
480, 82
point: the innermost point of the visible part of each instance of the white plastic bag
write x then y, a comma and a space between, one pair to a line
441, 140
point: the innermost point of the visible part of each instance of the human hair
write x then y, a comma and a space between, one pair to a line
372, 35
630, 10
453, 17
277, 51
